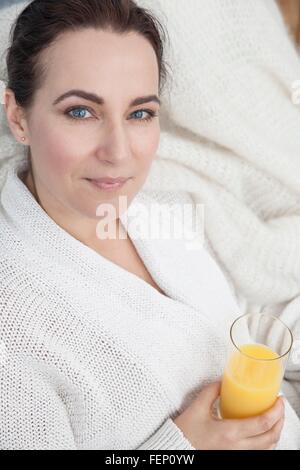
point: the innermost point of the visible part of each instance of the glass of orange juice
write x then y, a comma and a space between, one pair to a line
259, 349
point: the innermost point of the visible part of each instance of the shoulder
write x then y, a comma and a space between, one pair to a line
29, 303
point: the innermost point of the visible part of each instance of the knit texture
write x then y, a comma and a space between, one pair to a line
92, 356
231, 136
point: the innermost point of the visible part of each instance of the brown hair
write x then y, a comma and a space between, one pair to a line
298, 28
291, 13
41, 23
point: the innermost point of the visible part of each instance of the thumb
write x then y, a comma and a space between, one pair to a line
208, 396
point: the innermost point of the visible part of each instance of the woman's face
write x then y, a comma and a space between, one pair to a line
76, 138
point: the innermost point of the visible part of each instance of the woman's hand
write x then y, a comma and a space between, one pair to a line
206, 432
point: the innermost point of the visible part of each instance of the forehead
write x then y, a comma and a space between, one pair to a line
102, 58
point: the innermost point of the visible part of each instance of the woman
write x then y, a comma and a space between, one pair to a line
108, 343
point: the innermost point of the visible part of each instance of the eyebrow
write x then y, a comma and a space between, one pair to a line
99, 100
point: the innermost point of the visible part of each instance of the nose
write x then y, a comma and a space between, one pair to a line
115, 146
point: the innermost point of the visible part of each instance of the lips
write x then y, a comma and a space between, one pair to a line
108, 180
108, 184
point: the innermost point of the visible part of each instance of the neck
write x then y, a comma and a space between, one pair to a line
70, 225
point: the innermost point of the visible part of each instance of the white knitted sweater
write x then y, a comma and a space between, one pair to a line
93, 357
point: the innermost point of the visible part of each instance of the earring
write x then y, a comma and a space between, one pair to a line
23, 138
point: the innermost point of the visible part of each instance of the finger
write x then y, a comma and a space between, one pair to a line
249, 427
208, 396
266, 441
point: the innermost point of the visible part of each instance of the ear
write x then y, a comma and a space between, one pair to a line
15, 115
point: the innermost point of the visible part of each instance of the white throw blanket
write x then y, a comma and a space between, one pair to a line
232, 137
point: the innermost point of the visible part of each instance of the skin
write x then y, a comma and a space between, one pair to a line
207, 432
109, 140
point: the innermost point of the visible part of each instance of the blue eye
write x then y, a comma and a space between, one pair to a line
150, 113
78, 116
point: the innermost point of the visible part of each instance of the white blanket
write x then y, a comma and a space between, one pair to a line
231, 136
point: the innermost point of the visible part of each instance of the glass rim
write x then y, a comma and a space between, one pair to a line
268, 316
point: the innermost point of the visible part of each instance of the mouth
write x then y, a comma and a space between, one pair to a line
108, 184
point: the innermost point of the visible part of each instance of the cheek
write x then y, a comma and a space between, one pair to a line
58, 154
147, 146
62, 161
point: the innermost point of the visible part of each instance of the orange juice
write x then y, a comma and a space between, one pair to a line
251, 382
